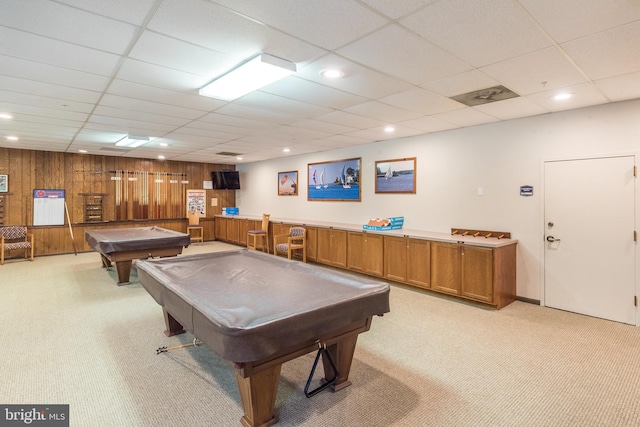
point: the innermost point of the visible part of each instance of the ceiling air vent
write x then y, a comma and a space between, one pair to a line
227, 153
485, 96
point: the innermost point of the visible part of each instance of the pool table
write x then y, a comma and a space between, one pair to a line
258, 311
123, 245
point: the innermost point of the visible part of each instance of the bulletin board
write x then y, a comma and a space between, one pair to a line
196, 202
48, 207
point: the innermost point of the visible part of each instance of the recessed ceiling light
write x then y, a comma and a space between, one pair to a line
82, 151
331, 73
163, 144
5, 116
389, 129
563, 96
238, 158
286, 150
161, 157
12, 138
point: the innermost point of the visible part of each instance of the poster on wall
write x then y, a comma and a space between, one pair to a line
396, 176
288, 183
337, 180
48, 207
196, 202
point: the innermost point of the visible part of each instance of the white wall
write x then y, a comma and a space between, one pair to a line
451, 165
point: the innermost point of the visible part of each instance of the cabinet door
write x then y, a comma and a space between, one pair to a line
419, 262
243, 228
445, 267
232, 230
339, 248
355, 251
324, 246
312, 243
221, 228
477, 273
373, 254
395, 258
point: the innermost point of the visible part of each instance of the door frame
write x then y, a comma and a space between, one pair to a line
541, 225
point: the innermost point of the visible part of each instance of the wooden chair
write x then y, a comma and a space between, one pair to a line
194, 226
296, 239
15, 237
263, 234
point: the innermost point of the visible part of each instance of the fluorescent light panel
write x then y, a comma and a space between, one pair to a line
132, 141
257, 72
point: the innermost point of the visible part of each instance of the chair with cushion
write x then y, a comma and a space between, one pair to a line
15, 237
296, 239
263, 234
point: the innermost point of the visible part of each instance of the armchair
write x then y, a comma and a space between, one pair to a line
296, 239
15, 237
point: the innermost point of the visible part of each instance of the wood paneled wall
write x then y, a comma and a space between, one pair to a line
86, 173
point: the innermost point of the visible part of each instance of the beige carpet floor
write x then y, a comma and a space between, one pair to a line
69, 335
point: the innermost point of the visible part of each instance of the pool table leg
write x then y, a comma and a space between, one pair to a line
173, 326
258, 394
342, 355
124, 271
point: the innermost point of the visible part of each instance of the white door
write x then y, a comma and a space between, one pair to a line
589, 257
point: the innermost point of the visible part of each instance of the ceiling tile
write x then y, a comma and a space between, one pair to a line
383, 112
545, 69
396, 9
314, 93
407, 56
571, 19
466, 117
329, 23
513, 108
586, 95
357, 79
421, 101
38, 72
478, 32
133, 12
232, 33
53, 52
621, 88
68, 24
609, 53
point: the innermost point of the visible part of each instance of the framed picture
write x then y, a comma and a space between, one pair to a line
396, 176
337, 180
4, 183
288, 183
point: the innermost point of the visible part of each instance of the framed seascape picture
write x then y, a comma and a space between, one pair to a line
4, 183
396, 176
288, 183
337, 180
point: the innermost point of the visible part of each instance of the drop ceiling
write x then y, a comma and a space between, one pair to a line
82, 74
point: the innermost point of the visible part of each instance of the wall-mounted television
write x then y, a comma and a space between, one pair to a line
226, 180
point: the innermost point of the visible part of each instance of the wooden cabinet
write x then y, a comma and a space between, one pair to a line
332, 247
445, 267
365, 253
312, 243
407, 260
221, 228
479, 273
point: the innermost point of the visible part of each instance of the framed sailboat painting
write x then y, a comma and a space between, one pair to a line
396, 176
288, 183
337, 180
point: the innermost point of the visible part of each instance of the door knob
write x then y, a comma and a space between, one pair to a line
552, 239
